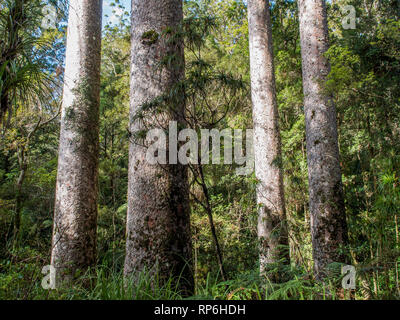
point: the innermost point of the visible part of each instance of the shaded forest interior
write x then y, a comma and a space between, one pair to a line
317, 81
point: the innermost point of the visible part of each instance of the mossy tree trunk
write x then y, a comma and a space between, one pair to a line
158, 222
327, 211
75, 216
272, 224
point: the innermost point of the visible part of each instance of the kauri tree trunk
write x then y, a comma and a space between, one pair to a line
328, 220
158, 222
272, 224
75, 216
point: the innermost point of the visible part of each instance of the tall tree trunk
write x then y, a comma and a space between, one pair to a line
272, 224
75, 216
328, 220
158, 222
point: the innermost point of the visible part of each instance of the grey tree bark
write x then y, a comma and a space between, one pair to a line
327, 211
158, 222
272, 224
75, 216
